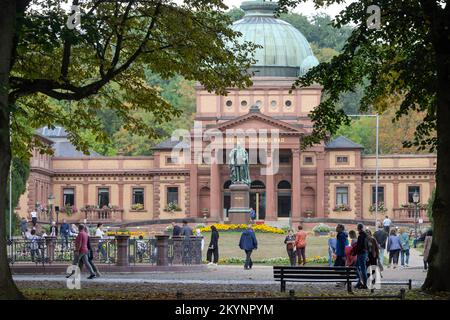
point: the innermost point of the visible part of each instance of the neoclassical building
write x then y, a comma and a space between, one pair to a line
330, 181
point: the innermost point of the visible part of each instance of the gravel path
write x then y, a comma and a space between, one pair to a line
215, 279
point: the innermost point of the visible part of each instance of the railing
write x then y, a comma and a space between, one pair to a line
409, 214
61, 250
107, 214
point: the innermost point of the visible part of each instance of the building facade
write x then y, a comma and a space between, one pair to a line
331, 180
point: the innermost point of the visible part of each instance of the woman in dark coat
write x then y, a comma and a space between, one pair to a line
213, 248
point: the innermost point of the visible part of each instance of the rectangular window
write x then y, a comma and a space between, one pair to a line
380, 194
103, 197
307, 160
68, 197
285, 159
138, 196
171, 160
172, 195
342, 195
411, 191
341, 159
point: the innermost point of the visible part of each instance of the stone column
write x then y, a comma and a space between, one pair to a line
162, 248
271, 214
122, 250
50, 242
177, 249
296, 190
193, 189
215, 192
196, 253
320, 190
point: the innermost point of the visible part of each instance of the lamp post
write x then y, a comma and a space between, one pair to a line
377, 116
50, 205
416, 209
57, 214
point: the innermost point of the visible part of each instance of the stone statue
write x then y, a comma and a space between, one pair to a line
239, 170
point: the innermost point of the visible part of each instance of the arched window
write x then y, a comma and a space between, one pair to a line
283, 184
257, 184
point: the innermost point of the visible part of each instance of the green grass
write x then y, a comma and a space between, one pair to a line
121, 294
269, 245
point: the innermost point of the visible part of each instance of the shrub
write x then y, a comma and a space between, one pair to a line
200, 226
322, 228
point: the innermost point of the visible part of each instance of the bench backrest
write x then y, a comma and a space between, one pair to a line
314, 273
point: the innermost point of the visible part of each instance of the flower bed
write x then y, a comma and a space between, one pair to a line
241, 227
271, 261
132, 234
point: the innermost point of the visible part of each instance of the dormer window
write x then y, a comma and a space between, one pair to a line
342, 159
171, 160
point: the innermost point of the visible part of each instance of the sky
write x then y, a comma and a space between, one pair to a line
306, 8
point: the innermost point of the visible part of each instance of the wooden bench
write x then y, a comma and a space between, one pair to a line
315, 274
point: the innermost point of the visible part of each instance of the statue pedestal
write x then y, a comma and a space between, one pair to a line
240, 199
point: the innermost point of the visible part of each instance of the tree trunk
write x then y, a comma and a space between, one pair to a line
8, 289
438, 277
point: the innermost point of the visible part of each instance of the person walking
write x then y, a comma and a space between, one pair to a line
404, 254
90, 259
373, 256
341, 243
300, 245
387, 224
394, 247
34, 245
213, 248
361, 251
23, 227
248, 243
332, 241
33, 215
198, 233
186, 232
100, 248
53, 230
81, 252
381, 236
64, 231
426, 249
141, 248
290, 246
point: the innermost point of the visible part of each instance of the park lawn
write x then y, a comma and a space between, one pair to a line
117, 294
270, 245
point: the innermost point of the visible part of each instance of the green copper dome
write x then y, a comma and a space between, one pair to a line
285, 51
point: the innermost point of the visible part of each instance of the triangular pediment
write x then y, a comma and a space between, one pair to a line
257, 120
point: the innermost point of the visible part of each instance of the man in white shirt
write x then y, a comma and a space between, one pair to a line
99, 233
387, 224
33, 217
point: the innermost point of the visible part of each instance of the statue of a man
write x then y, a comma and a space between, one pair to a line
239, 171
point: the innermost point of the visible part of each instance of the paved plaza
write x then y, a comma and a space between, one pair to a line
222, 278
